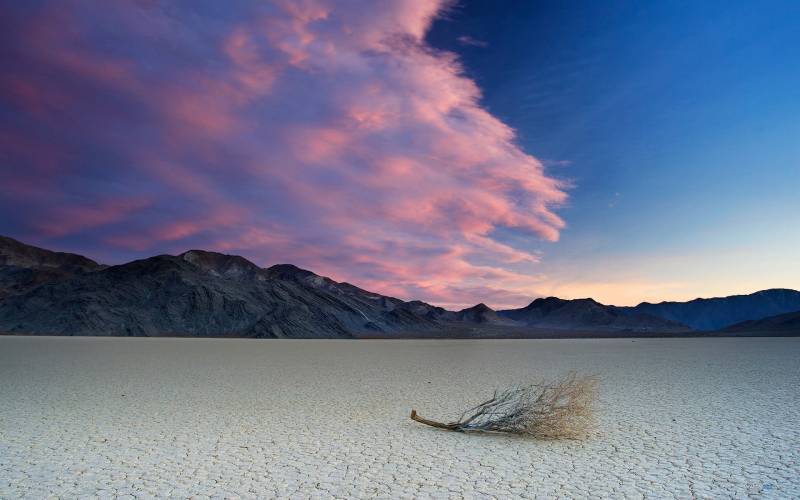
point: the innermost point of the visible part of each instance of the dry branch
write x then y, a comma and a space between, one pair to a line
558, 409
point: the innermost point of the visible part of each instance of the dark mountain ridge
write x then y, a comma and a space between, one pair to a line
578, 314
720, 312
782, 324
200, 293
481, 314
15, 253
23, 267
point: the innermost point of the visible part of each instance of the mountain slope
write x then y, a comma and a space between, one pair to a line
203, 294
18, 254
718, 313
782, 324
200, 293
583, 314
23, 267
481, 314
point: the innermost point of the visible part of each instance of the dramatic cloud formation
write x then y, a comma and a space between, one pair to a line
321, 133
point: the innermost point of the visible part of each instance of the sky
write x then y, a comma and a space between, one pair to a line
452, 152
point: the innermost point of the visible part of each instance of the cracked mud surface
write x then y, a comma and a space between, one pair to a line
143, 418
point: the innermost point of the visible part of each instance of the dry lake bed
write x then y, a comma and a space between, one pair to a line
683, 418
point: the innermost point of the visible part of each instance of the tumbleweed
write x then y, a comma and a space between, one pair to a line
550, 410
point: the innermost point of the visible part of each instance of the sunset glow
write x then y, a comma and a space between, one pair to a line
350, 138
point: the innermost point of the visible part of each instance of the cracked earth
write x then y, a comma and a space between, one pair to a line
152, 418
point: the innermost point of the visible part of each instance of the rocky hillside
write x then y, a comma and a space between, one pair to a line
205, 294
196, 293
23, 267
721, 312
15, 253
782, 324
583, 314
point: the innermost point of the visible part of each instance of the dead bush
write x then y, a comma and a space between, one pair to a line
561, 409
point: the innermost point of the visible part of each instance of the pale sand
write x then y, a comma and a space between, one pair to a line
158, 417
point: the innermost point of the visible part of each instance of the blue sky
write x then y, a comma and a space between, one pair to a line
454, 153
678, 124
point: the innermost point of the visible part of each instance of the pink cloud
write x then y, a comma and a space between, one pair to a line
321, 133
78, 218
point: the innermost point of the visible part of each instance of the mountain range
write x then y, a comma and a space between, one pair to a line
787, 324
716, 313
208, 294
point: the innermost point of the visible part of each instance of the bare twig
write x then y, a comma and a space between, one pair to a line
560, 409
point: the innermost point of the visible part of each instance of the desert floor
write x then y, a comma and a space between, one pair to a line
254, 418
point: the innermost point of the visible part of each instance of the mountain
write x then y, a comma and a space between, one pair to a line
721, 312
583, 314
208, 294
483, 315
15, 253
782, 324
23, 267
196, 293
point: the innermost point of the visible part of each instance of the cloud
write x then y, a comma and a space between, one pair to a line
468, 40
327, 134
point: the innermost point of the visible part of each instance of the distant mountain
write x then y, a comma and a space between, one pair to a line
483, 315
782, 324
205, 294
23, 267
718, 313
583, 314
